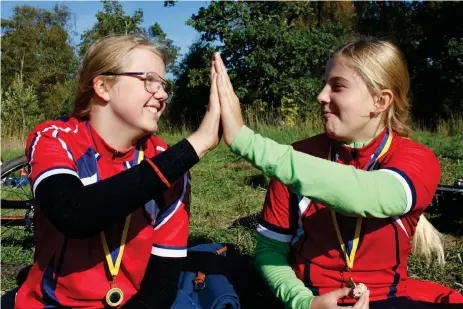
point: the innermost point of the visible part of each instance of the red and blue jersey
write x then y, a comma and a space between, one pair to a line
384, 243
72, 273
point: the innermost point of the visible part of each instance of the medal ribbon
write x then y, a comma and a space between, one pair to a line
119, 251
380, 151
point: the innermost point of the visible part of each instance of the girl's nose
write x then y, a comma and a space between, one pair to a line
324, 97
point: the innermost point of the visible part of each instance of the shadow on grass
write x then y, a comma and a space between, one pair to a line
447, 224
26, 241
257, 181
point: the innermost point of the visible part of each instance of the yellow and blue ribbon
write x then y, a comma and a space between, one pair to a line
114, 258
352, 245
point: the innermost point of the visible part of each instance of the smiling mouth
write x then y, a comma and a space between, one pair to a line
152, 109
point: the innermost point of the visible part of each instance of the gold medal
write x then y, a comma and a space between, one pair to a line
114, 297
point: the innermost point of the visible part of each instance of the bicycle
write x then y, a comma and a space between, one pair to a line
17, 203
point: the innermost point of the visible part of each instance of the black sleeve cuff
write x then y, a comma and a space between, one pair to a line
176, 160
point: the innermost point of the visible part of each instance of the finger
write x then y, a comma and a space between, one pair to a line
213, 71
363, 301
228, 89
216, 56
339, 293
214, 103
224, 70
217, 67
228, 82
367, 300
222, 93
220, 68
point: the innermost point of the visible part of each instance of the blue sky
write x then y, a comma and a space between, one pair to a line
171, 19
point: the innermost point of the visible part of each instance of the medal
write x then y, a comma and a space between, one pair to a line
359, 290
114, 297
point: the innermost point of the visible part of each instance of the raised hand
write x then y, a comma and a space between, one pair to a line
230, 109
330, 300
206, 137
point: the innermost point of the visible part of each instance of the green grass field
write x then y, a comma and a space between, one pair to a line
225, 188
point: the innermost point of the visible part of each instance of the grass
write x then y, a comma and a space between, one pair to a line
225, 188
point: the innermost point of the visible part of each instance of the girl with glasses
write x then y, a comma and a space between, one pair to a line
112, 199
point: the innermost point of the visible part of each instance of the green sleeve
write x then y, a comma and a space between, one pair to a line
271, 262
342, 188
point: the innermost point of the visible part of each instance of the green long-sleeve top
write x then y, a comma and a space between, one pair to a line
330, 183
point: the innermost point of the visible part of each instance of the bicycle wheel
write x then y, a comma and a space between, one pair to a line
448, 200
17, 207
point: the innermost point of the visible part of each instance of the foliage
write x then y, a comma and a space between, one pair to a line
430, 36
20, 109
290, 110
113, 20
192, 85
274, 52
35, 46
271, 49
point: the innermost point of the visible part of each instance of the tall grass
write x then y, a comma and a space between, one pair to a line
446, 141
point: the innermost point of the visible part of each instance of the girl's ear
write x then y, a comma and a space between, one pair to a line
382, 101
100, 86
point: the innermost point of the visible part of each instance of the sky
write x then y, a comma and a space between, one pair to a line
171, 19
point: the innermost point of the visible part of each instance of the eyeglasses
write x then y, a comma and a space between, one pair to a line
153, 82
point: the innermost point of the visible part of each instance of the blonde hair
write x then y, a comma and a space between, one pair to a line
428, 241
382, 66
107, 54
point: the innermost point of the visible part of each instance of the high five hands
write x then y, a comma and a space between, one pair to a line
230, 110
223, 105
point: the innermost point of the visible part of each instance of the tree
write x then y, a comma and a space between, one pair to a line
113, 20
59, 99
273, 50
20, 109
192, 85
429, 34
35, 47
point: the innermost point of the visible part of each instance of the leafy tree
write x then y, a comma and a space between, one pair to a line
35, 46
192, 85
113, 20
430, 36
273, 50
20, 109
60, 95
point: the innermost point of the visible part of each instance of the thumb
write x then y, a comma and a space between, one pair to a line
339, 293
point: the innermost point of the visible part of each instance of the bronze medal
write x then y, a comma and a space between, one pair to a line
359, 290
